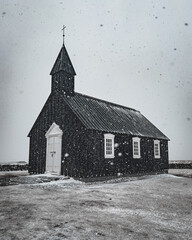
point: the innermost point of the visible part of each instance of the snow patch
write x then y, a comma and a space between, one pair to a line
59, 182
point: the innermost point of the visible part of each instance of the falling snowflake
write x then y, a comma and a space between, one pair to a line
116, 145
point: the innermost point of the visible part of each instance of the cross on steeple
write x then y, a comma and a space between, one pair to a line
63, 29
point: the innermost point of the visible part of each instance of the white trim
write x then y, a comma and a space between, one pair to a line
110, 137
136, 140
53, 149
157, 143
54, 130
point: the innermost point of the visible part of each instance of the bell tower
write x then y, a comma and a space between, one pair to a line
63, 74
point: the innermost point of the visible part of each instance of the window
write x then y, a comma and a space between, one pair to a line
109, 145
156, 148
136, 147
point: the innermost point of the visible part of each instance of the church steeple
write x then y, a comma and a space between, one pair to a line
63, 63
63, 73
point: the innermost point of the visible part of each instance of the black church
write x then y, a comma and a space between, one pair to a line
82, 136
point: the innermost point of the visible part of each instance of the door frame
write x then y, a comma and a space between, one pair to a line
53, 131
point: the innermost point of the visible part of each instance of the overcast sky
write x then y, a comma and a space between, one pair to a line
136, 53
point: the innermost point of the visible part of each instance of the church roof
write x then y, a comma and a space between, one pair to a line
100, 115
105, 116
63, 63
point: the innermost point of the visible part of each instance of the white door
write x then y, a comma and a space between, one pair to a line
53, 156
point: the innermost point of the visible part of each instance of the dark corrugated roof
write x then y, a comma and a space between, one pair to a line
106, 116
63, 63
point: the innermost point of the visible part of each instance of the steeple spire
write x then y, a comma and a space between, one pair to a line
63, 63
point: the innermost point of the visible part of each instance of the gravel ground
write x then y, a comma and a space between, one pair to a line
155, 207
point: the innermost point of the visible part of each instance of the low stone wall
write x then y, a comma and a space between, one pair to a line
180, 165
16, 167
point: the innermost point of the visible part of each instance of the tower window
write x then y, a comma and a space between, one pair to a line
109, 145
136, 147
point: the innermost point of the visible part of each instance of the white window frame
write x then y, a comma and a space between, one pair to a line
136, 140
110, 137
157, 143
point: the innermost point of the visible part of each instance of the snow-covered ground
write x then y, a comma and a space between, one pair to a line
151, 207
181, 172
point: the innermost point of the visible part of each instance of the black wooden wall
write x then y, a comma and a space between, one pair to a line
74, 139
83, 149
123, 162
62, 82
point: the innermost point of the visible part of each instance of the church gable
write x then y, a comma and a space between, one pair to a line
41, 115
55, 110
